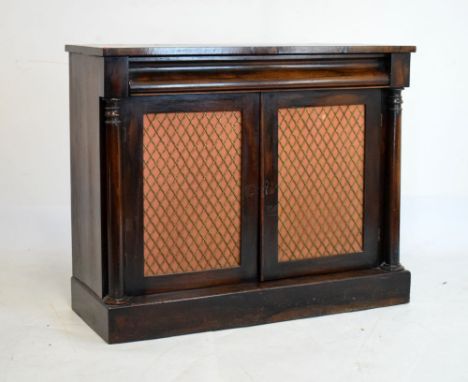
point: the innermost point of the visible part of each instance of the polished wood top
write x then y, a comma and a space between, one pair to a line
187, 50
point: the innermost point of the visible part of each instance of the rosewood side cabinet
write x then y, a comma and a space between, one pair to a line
219, 187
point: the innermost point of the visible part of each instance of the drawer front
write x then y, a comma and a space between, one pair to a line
195, 161
155, 75
321, 203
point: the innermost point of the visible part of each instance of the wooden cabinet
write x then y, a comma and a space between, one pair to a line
224, 187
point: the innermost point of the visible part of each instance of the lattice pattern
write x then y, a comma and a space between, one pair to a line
192, 191
321, 181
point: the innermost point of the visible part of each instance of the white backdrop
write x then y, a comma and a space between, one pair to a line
34, 141
425, 339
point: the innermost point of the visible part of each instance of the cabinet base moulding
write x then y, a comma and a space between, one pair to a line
223, 307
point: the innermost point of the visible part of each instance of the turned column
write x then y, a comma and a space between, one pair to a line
115, 257
391, 227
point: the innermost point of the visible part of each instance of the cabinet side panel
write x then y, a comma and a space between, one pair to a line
86, 86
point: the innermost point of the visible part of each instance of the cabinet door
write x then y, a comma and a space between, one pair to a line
191, 181
321, 194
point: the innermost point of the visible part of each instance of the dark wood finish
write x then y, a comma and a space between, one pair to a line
184, 312
116, 74
134, 109
112, 87
162, 50
399, 70
370, 257
392, 125
150, 75
114, 191
86, 86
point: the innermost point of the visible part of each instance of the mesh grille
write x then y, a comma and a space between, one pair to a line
320, 181
192, 191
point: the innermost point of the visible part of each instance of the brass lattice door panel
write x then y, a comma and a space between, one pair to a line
318, 201
197, 202
320, 181
191, 191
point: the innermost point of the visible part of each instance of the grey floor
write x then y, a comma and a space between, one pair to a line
42, 339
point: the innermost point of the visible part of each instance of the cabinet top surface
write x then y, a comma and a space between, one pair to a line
187, 50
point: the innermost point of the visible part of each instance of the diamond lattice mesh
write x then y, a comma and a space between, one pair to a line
192, 191
320, 181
